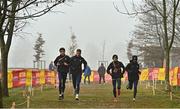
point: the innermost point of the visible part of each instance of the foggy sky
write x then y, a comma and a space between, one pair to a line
92, 21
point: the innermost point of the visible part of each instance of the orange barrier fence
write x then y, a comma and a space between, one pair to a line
30, 77
159, 74
34, 77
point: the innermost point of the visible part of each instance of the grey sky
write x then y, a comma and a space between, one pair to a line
93, 22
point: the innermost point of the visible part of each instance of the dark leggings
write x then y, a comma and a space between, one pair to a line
118, 82
62, 82
135, 83
76, 78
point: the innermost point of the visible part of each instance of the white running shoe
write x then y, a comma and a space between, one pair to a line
115, 100
134, 99
77, 97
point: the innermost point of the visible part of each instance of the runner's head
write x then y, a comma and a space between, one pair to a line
134, 58
115, 57
78, 52
62, 51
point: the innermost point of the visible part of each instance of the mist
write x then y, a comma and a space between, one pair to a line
93, 22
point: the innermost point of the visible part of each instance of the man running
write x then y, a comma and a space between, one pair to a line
62, 64
133, 75
114, 69
76, 71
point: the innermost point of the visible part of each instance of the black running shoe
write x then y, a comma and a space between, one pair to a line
61, 97
127, 87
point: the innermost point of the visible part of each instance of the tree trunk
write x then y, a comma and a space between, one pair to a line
4, 60
1, 97
6, 46
164, 66
167, 73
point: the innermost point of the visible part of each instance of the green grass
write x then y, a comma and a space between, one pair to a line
94, 96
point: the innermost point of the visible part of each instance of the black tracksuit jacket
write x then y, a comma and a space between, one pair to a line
59, 63
76, 64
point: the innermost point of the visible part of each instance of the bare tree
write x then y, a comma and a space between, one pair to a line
147, 40
168, 13
13, 16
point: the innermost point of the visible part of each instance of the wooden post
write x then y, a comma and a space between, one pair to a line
171, 96
153, 90
146, 84
24, 92
29, 90
154, 86
32, 91
149, 84
41, 88
13, 105
28, 101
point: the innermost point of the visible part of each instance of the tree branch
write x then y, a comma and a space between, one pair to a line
174, 23
130, 13
3, 17
11, 26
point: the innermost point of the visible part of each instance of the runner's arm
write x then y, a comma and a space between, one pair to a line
85, 63
109, 68
56, 61
122, 66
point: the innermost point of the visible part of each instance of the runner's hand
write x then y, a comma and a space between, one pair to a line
65, 64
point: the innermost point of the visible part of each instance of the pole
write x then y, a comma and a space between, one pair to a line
154, 85
28, 101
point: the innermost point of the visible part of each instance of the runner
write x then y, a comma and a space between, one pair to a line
114, 69
62, 64
76, 71
133, 75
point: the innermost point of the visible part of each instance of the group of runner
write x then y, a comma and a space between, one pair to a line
116, 69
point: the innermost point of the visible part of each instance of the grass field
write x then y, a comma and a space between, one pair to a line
94, 96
